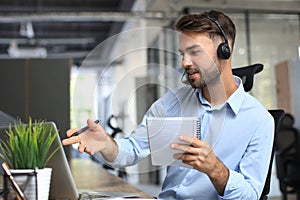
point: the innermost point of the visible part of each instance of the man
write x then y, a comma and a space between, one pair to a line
229, 160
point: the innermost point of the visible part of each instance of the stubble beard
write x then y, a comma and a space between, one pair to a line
212, 77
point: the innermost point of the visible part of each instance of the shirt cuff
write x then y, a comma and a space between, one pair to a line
232, 189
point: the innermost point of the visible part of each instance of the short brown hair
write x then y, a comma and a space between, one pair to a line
203, 23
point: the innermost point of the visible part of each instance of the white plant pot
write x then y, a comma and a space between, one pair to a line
28, 183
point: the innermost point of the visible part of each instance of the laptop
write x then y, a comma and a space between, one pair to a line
62, 183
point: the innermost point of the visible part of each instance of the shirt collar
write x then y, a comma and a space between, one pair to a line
236, 99
234, 102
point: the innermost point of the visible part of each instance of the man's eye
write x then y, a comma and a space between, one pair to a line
194, 53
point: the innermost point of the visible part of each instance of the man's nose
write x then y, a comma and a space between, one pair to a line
186, 62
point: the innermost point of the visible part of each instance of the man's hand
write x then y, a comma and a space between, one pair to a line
95, 139
200, 156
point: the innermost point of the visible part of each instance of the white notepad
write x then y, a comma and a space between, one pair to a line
162, 132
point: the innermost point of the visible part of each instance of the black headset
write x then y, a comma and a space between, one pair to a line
223, 50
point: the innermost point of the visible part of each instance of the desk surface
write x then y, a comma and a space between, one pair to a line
88, 175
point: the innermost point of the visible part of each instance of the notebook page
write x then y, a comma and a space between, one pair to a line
162, 132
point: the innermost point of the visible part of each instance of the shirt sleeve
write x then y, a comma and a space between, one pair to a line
131, 150
135, 147
247, 182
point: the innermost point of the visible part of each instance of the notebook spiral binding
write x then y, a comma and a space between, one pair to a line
198, 129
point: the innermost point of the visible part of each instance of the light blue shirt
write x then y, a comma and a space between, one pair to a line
240, 133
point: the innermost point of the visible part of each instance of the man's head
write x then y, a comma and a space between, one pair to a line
211, 23
206, 39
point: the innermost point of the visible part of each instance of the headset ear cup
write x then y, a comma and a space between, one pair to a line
223, 51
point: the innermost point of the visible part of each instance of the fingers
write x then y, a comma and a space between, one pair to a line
91, 124
81, 147
71, 131
185, 148
95, 127
71, 140
184, 157
76, 139
191, 140
196, 150
84, 139
191, 147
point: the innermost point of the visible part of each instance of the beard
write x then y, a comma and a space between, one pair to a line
209, 76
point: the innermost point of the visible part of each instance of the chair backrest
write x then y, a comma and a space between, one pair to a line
287, 148
287, 137
247, 75
278, 116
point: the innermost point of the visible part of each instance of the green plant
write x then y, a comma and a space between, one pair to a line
28, 145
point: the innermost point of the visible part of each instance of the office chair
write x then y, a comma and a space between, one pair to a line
112, 123
247, 75
278, 116
287, 157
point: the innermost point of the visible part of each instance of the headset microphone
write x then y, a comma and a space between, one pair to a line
223, 50
185, 81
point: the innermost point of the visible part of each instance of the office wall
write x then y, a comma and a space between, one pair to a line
287, 83
37, 88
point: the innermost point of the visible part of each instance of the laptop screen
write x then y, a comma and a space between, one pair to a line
62, 183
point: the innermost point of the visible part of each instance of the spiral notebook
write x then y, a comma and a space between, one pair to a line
162, 132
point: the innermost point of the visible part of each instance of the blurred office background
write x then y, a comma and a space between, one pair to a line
66, 60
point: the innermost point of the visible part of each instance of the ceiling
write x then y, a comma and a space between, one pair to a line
72, 28
57, 28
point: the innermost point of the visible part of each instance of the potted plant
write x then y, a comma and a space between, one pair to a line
27, 150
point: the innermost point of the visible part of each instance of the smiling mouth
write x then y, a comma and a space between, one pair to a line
192, 74
191, 71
